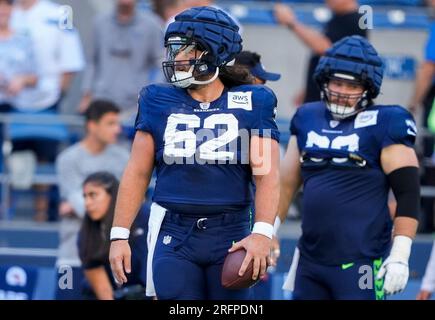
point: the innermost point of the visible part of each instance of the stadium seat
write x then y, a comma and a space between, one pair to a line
42, 126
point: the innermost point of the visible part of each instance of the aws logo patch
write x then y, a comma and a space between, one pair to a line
240, 100
366, 119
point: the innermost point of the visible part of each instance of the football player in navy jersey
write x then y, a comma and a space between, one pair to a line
206, 133
348, 152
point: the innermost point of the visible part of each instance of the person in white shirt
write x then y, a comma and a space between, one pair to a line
58, 51
428, 284
168, 9
58, 56
17, 65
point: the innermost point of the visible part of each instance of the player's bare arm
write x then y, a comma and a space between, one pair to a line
132, 189
266, 200
290, 178
400, 164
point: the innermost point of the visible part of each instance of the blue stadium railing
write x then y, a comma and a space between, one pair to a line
387, 14
361, 2
47, 127
384, 17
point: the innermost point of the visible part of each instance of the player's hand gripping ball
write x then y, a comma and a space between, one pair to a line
230, 272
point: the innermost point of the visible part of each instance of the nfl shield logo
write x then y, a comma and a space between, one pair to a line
334, 123
204, 105
167, 240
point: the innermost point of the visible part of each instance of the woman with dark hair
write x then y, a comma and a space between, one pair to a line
100, 190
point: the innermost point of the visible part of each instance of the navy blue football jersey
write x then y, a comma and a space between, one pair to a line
345, 191
202, 157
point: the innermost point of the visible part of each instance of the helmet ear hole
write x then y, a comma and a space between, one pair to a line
221, 49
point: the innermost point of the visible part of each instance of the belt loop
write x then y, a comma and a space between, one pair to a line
189, 233
200, 224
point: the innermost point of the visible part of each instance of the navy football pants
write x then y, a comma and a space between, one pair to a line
350, 281
189, 256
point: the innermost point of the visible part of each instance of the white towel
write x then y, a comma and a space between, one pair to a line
157, 214
289, 283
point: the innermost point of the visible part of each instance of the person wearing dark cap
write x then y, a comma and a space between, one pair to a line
252, 61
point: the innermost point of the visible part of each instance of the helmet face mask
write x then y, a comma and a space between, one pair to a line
344, 96
185, 64
355, 60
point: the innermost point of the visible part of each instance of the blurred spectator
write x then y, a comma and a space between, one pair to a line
168, 9
97, 151
58, 56
421, 104
58, 52
428, 282
100, 190
424, 91
17, 64
252, 61
431, 120
344, 22
211, 3
127, 45
199, 3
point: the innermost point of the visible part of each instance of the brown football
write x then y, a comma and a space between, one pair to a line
230, 271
